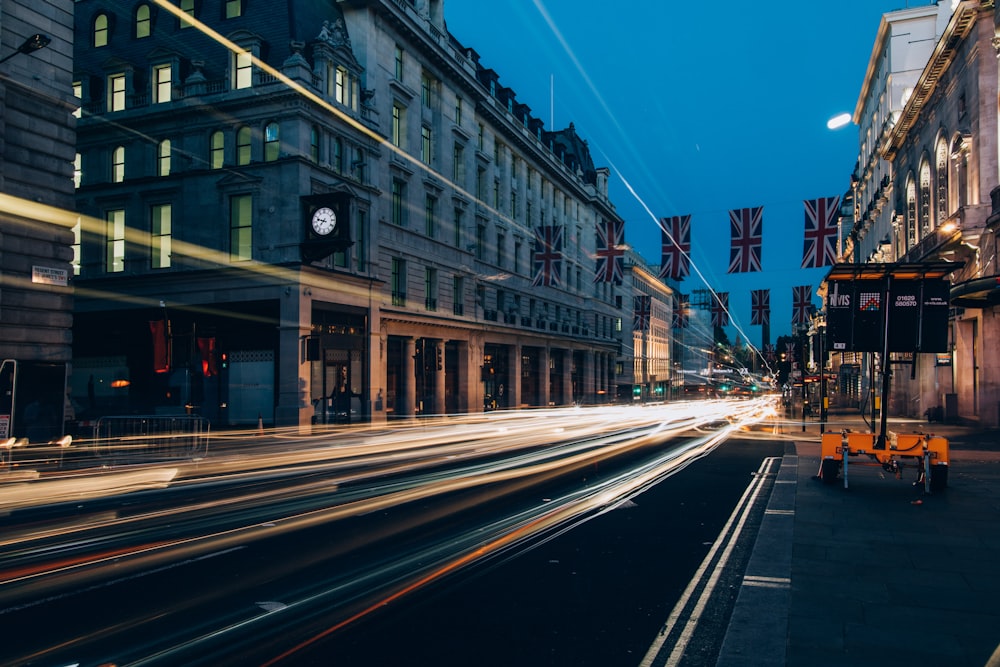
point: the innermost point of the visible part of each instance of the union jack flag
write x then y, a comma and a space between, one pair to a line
820, 245
680, 315
676, 233
801, 303
720, 309
548, 256
760, 306
640, 320
610, 254
769, 353
747, 237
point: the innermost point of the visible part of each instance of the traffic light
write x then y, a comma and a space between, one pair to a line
637, 390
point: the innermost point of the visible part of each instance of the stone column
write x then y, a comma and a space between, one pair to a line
408, 378
439, 378
567, 397
514, 381
543, 377
294, 378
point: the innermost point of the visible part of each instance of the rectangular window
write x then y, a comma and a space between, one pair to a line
496, 194
76, 246
218, 149
517, 256
115, 239
118, 164
430, 221
482, 136
458, 111
77, 170
397, 126
513, 204
458, 295
398, 72
480, 183
501, 246
340, 86
234, 8
458, 164
425, 144
78, 94
161, 84
116, 92
187, 7
425, 91
240, 228
457, 228
430, 289
243, 70
480, 240
398, 206
398, 281
160, 236
163, 158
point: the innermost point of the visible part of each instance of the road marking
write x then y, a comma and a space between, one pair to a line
767, 582
727, 538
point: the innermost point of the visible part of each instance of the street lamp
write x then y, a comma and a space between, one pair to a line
30, 45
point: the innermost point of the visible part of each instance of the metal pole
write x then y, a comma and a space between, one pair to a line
881, 443
822, 379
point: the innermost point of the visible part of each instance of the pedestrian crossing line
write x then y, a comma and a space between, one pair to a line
767, 582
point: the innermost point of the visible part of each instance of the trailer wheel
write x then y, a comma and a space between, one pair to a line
830, 471
939, 477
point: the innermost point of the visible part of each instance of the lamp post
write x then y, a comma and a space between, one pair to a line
821, 330
30, 45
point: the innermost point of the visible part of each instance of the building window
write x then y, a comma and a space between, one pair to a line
458, 295
115, 239
159, 251
361, 241
341, 87
481, 137
242, 69
430, 221
271, 143
397, 126
118, 164
217, 150
941, 175
358, 164
925, 200
101, 30
496, 194
911, 215
243, 146
240, 228
517, 256
116, 92
142, 22
78, 94
187, 6
458, 164
314, 144
398, 72
513, 204
338, 155
480, 183
430, 289
163, 158
457, 239
425, 91
480, 240
501, 247
425, 144
234, 9
458, 111
76, 245
77, 170
161, 83
398, 281
398, 202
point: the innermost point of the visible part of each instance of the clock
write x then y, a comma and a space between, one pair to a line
324, 220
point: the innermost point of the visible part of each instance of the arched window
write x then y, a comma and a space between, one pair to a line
101, 30
271, 143
118, 164
243, 146
163, 158
142, 21
910, 232
924, 223
941, 182
217, 149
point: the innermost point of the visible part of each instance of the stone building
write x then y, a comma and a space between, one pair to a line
212, 133
651, 348
944, 153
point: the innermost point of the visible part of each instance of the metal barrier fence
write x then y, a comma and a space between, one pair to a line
156, 437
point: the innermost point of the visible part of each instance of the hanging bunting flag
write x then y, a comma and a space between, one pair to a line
676, 256
769, 353
746, 225
801, 304
760, 306
720, 309
548, 256
820, 245
640, 320
680, 314
610, 251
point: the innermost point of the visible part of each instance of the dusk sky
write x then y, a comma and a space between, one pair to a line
697, 109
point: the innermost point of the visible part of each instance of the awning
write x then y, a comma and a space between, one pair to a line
977, 293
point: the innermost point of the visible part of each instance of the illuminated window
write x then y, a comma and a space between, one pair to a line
142, 22
240, 228
160, 232
340, 87
217, 150
118, 164
116, 92
163, 158
76, 246
243, 146
115, 240
234, 8
161, 83
242, 70
271, 143
941, 176
925, 200
77, 170
101, 30
78, 94
187, 6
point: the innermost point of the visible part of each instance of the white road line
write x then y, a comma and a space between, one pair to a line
738, 517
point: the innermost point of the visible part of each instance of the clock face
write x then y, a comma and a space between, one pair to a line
324, 220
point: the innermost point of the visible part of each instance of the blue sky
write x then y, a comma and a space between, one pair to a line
698, 109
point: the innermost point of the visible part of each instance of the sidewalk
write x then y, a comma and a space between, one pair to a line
868, 575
